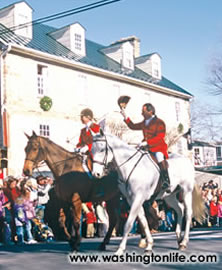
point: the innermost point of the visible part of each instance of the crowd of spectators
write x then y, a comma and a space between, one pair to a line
22, 203
212, 196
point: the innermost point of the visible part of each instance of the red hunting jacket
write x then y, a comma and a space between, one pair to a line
86, 137
153, 134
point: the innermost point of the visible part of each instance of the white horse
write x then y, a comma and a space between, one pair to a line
138, 179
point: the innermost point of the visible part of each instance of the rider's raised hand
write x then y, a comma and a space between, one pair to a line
123, 114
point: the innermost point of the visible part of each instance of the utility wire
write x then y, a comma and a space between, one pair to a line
61, 15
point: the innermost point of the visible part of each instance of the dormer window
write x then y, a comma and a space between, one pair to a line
78, 42
73, 37
156, 69
127, 56
16, 15
128, 60
151, 64
23, 19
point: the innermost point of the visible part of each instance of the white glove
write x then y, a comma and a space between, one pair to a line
123, 114
84, 149
142, 144
76, 150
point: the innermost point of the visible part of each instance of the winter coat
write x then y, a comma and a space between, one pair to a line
213, 209
86, 137
43, 195
29, 209
20, 214
219, 214
153, 133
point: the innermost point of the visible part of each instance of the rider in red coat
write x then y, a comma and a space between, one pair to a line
86, 137
154, 131
84, 145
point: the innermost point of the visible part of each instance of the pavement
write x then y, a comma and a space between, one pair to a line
205, 247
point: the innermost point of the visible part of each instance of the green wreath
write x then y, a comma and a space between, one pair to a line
180, 128
45, 103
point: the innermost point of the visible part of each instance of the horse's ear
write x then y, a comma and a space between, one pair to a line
34, 134
27, 135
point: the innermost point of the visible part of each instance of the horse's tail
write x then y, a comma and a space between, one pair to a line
198, 205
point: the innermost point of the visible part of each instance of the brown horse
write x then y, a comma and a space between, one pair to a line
72, 183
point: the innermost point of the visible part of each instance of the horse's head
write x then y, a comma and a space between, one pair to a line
34, 154
102, 155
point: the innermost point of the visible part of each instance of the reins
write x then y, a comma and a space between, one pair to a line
104, 162
53, 164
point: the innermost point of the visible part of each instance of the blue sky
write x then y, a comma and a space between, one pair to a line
186, 33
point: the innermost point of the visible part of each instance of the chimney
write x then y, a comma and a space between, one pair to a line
135, 41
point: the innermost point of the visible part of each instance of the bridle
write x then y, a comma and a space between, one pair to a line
40, 151
107, 148
43, 152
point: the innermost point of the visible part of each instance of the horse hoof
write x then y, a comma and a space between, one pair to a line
142, 243
119, 252
182, 247
148, 252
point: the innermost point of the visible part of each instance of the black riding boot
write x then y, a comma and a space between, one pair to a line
165, 176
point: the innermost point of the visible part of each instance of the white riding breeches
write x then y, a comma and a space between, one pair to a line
159, 156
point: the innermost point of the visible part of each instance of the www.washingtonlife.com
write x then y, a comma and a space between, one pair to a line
146, 259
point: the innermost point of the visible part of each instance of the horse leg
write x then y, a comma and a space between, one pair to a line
112, 209
148, 244
188, 207
76, 215
134, 210
179, 209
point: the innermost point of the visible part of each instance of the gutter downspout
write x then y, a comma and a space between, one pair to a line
5, 49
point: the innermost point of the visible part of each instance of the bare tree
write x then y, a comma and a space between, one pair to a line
204, 123
214, 80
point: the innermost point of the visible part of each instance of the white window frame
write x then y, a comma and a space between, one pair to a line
44, 130
78, 41
23, 19
156, 69
219, 152
178, 111
42, 80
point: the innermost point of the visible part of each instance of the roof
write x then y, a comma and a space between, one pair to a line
42, 41
13, 4
202, 144
144, 58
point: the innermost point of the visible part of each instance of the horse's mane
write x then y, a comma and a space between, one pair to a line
120, 141
50, 142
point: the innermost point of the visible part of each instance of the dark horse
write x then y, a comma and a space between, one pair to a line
72, 183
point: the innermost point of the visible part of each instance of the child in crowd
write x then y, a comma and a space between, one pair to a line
213, 211
103, 219
90, 219
24, 213
219, 213
43, 186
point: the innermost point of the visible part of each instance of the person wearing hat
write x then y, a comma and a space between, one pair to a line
84, 145
154, 131
86, 138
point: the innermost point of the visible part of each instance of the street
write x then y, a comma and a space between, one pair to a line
55, 255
